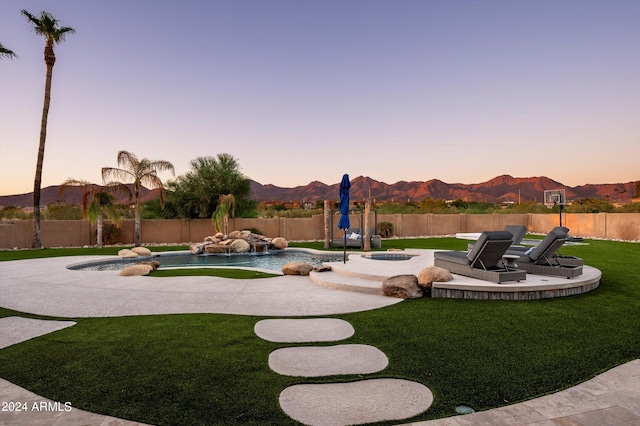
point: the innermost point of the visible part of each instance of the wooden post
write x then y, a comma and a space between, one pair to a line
365, 236
327, 240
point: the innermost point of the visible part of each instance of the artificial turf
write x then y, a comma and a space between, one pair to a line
204, 369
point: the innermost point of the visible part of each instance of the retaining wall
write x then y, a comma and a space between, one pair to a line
64, 233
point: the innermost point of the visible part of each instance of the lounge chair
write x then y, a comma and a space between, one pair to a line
518, 233
556, 257
354, 238
543, 259
484, 261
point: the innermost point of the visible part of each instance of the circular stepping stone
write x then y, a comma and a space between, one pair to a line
366, 401
315, 361
303, 330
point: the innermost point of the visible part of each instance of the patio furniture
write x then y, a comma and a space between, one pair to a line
484, 261
354, 239
543, 259
518, 233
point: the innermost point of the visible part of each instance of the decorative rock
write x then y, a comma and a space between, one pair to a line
141, 251
402, 286
126, 253
279, 243
219, 236
433, 274
136, 270
235, 235
211, 239
297, 268
153, 263
239, 246
216, 248
322, 268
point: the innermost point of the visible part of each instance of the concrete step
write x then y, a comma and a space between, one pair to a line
338, 281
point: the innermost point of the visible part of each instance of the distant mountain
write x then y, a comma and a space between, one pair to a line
72, 195
499, 189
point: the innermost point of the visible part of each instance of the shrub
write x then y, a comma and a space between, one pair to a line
385, 229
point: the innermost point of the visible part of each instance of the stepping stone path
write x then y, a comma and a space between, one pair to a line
335, 404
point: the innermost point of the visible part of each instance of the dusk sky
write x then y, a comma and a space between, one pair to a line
306, 90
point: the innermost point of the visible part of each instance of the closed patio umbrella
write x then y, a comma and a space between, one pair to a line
344, 223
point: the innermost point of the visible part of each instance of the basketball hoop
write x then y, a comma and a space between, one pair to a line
555, 197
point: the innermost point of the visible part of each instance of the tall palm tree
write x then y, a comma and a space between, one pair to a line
97, 201
4, 52
226, 207
138, 172
47, 26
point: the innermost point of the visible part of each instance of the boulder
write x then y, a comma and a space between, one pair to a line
235, 235
297, 268
197, 248
279, 243
141, 251
240, 246
219, 236
153, 263
136, 270
126, 253
216, 248
402, 286
211, 239
322, 268
433, 274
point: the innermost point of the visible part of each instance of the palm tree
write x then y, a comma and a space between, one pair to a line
6, 52
46, 26
140, 172
97, 201
226, 207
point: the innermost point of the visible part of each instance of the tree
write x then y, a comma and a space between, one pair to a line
138, 172
226, 208
97, 201
6, 53
47, 26
196, 194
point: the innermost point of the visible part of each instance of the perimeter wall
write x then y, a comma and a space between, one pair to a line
67, 233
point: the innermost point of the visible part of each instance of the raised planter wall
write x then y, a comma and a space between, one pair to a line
65, 233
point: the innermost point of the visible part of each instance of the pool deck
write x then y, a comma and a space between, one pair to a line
46, 287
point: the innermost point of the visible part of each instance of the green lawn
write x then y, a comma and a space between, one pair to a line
205, 369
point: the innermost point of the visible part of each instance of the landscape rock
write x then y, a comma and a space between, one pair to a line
402, 286
279, 243
235, 235
219, 236
216, 248
141, 251
297, 268
240, 246
126, 253
433, 274
322, 268
153, 263
136, 270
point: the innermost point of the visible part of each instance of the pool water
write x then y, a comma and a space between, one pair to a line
271, 261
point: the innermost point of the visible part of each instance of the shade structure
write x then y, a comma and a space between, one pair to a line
344, 223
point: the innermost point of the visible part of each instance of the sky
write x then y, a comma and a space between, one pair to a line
307, 90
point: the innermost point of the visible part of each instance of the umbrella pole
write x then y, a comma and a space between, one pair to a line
344, 255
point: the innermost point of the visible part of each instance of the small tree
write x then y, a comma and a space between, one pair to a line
97, 201
226, 207
140, 172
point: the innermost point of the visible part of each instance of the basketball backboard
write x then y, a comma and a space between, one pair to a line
555, 197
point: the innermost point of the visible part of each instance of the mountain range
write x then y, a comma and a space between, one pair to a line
503, 188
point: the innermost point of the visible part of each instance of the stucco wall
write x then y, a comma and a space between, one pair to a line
61, 233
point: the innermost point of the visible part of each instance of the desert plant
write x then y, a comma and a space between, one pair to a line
385, 229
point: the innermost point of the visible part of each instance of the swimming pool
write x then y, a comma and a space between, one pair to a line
273, 260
